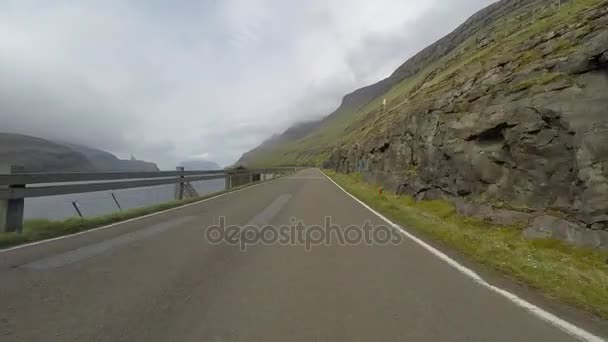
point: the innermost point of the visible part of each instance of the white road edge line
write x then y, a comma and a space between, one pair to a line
563, 325
298, 177
133, 219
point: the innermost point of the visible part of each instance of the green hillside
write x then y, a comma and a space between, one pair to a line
502, 33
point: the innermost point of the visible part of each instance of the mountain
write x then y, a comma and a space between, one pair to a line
41, 155
314, 149
200, 165
508, 111
104, 161
293, 133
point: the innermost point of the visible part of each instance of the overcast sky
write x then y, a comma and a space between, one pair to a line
168, 80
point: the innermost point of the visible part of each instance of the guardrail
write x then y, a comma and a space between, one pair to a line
15, 185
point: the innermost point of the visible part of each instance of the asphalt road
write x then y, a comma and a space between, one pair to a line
159, 279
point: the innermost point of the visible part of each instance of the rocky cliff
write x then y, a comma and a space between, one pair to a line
507, 117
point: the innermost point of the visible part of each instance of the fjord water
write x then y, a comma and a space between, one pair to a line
101, 202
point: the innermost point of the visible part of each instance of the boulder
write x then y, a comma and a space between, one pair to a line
500, 217
551, 227
598, 44
577, 64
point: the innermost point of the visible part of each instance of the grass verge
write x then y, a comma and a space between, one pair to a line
37, 230
577, 276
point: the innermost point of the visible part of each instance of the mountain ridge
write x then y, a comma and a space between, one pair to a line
362, 96
107, 162
43, 155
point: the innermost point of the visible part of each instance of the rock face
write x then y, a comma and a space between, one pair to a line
526, 133
544, 227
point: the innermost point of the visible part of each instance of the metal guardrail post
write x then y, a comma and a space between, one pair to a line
77, 208
116, 201
228, 181
11, 210
3, 203
181, 185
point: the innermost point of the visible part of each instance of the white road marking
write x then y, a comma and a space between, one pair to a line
264, 217
304, 177
133, 219
95, 249
563, 325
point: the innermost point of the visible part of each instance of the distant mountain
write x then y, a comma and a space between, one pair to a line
302, 138
105, 161
269, 146
41, 155
200, 164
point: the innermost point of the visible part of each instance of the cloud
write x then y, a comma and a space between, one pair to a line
215, 78
205, 156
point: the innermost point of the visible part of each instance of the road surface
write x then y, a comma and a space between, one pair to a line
159, 279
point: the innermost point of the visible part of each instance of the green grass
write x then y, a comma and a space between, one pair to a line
37, 230
574, 275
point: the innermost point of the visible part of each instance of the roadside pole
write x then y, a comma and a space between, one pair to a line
228, 181
181, 185
11, 210
4, 169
